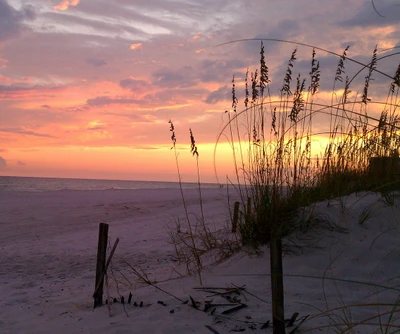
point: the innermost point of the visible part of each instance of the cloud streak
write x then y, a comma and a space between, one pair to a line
96, 62
25, 132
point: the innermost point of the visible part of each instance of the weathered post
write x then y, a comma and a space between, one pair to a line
235, 217
278, 314
101, 264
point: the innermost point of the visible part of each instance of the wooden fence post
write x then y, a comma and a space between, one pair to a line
235, 217
278, 312
101, 264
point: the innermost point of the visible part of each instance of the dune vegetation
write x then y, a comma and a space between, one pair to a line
293, 149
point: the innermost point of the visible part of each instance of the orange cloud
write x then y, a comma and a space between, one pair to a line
136, 46
197, 36
65, 4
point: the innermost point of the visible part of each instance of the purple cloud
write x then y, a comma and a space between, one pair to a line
380, 14
96, 62
220, 70
12, 20
25, 132
100, 101
221, 94
133, 84
184, 77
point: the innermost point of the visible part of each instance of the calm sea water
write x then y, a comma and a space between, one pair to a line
13, 183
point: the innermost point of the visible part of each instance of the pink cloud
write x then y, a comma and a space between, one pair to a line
4, 79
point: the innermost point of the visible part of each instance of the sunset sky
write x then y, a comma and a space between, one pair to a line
87, 87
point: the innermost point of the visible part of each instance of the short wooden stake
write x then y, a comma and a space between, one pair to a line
235, 217
101, 264
99, 285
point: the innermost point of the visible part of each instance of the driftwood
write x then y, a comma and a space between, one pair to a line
291, 321
212, 329
233, 309
299, 324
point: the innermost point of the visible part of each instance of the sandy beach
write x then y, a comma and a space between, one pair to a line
48, 246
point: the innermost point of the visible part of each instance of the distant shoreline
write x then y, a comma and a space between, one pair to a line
18, 183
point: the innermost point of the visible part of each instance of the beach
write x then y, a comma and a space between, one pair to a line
48, 246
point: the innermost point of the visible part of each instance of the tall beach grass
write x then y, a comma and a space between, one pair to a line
278, 173
274, 138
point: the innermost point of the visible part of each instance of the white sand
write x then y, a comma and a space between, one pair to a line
48, 245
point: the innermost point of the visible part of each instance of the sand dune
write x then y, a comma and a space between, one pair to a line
48, 246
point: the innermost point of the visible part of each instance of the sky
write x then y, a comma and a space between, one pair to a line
87, 87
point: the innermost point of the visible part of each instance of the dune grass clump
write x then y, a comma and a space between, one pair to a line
277, 167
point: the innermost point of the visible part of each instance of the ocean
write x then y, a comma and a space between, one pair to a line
14, 183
